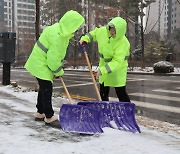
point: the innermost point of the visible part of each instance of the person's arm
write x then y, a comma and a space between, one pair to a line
89, 37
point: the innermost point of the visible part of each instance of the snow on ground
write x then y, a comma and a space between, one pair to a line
21, 134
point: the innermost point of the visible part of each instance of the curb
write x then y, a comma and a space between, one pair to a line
129, 72
158, 74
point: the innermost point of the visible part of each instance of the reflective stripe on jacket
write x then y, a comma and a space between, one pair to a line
113, 52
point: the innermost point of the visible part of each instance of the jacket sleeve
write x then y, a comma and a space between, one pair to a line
89, 37
118, 59
55, 58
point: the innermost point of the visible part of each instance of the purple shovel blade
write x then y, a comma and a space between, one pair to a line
124, 116
115, 114
104, 108
81, 119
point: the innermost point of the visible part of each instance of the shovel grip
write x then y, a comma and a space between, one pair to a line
92, 76
67, 92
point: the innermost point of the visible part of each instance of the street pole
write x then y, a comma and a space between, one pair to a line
6, 73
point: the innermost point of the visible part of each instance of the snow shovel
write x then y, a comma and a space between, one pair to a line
92, 76
113, 111
78, 118
118, 115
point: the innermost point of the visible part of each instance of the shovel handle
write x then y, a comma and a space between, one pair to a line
92, 76
67, 92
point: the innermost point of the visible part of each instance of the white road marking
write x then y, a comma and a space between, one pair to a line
130, 79
167, 91
157, 107
177, 99
74, 81
156, 80
152, 106
75, 85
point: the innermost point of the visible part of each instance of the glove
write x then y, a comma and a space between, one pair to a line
82, 45
57, 77
98, 74
95, 74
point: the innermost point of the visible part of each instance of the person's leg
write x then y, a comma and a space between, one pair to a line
39, 104
104, 92
122, 94
44, 104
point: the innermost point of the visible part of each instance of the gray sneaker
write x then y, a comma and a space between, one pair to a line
39, 117
52, 119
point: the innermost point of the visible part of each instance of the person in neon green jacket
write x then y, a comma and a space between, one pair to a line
113, 47
46, 60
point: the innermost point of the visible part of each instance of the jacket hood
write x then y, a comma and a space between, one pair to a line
120, 26
70, 22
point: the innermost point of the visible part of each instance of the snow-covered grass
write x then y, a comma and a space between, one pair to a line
21, 134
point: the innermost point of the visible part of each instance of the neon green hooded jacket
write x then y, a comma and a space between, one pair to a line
48, 53
113, 52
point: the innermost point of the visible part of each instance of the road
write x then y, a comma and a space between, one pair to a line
155, 96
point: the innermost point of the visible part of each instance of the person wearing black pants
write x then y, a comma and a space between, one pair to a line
46, 60
114, 51
120, 92
44, 100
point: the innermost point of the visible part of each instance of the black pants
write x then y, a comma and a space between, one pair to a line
44, 100
120, 92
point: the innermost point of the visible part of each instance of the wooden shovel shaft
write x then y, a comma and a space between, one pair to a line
67, 92
92, 76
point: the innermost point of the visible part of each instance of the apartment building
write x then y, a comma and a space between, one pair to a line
19, 16
17, 13
163, 16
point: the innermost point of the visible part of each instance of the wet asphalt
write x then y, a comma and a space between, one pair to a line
155, 96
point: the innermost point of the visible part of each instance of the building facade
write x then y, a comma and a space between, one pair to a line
163, 17
19, 16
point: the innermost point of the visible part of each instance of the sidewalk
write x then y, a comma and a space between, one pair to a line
21, 134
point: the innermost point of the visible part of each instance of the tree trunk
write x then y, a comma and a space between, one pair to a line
37, 19
142, 35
